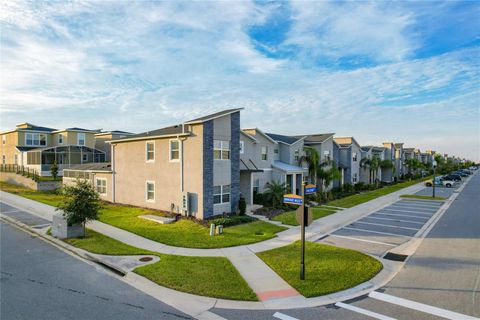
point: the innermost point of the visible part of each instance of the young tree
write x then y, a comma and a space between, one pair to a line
81, 203
274, 193
328, 175
54, 170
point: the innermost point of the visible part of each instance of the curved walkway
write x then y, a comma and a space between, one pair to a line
269, 287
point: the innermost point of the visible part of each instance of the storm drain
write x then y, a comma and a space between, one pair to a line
395, 256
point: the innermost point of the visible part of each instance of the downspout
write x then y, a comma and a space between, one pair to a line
113, 172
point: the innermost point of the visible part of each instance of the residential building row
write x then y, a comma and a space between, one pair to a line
200, 167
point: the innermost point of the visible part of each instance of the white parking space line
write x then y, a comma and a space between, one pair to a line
283, 316
7, 212
363, 311
420, 306
364, 240
387, 225
420, 204
378, 232
421, 213
413, 208
398, 220
403, 215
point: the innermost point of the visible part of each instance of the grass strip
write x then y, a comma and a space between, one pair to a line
328, 269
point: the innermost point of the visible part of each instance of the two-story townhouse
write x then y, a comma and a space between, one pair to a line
257, 154
102, 137
191, 168
349, 156
286, 166
38, 147
390, 174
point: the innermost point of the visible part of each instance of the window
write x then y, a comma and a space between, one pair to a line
150, 151
264, 153
16, 159
81, 139
102, 186
60, 139
275, 151
3, 159
35, 139
150, 192
326, 155
221, 194
4, 139
256, 186
354, 157
242, 147
85, 157
354, 177
174, 150
296, 155
221, 150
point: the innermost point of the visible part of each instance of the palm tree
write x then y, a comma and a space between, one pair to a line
274, 193
367, 163
312, 159
328, 175
374, 165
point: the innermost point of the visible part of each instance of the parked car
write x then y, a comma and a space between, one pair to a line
440, 181
473, 168
461, 173
454, 177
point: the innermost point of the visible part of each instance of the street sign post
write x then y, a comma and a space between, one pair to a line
434, 165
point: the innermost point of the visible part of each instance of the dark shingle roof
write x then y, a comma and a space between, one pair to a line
23, 149
79, 129
38, 128
282, 138
96, 166
318, 138
176, 129
213, 115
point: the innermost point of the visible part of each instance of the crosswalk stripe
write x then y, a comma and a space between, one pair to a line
283, 316
363, 311
420, 306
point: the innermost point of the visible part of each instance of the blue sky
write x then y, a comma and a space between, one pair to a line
379, 71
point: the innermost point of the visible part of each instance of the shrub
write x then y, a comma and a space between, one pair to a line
258, 198
231, 220
242, 206
360, 187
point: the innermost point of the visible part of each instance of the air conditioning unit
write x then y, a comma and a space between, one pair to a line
185, 203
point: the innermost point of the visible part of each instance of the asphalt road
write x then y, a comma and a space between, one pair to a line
443, 273
38, 281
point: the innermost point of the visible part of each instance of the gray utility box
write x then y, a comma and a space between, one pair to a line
61, 230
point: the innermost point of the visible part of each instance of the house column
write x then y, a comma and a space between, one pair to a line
294, 183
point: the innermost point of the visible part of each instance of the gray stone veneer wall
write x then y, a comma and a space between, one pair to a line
235, 160
207, 169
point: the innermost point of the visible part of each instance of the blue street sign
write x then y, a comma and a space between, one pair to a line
310, 189
292, 199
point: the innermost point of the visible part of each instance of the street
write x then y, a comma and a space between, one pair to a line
38, 281
444, 273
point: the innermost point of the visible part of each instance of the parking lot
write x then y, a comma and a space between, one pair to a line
386, 228
439, 191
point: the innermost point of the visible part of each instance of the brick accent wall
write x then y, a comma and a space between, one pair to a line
235, 160
207, 169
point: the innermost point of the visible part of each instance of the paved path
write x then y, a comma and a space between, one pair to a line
271, 286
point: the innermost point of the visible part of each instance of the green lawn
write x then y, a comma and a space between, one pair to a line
328, 269
414, 196
207, 276
184, 233
357, 199
289, 217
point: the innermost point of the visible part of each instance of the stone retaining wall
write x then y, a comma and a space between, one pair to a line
19, 180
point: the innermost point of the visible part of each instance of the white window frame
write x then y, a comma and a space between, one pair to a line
60, 138
222, 193
170, 150
222, 149
146, 151
146, 190
264, 154
354, 157
242, 147
84, 155
81, 134
296, 155
35, 136
96, 186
